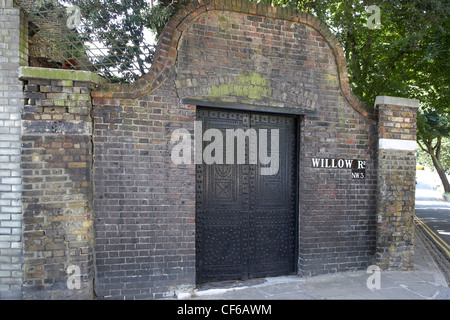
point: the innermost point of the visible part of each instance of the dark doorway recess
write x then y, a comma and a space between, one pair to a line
246, 221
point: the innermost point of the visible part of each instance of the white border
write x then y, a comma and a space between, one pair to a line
397, 144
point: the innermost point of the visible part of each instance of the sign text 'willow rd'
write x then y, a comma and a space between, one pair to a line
358, 166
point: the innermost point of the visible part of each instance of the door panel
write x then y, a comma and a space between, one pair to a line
273, 197
245, 221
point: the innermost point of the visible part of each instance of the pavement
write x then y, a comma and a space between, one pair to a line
425, 282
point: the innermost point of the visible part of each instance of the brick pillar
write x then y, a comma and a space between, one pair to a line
396, 182
13, 51
57, 186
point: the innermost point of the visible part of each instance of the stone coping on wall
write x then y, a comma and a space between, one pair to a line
396, 101
26, 73
407, 142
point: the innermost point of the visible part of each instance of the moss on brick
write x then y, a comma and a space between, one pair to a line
250, 85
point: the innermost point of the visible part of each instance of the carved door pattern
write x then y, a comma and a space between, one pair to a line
245, 220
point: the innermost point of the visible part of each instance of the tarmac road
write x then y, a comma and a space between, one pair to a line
433, 221
434, 212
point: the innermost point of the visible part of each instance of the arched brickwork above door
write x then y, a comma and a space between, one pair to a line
168, 44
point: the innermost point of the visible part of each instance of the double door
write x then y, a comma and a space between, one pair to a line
246, 203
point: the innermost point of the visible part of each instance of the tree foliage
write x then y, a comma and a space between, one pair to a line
118, 26
122, 32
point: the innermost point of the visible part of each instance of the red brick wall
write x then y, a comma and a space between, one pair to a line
242, 59
397, 127
223, 55
144, 204
57, 188
100, 191
102, 166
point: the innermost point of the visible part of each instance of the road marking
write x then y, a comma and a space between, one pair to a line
438, 240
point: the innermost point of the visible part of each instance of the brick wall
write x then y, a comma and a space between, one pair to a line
12, 55
240, 59
57, 185
240, 56
396, 182
90, 147
144, 204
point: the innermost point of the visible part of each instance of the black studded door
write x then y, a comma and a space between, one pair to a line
246, 196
